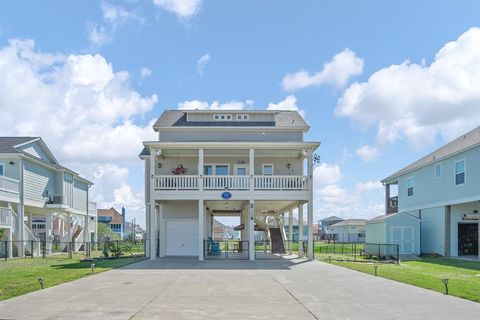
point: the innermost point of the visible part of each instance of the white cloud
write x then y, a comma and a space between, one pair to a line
368, 153
184, 9
289, 103
215, 105
114, 17
337, 72
84, 110
369, 186
417, 102
202, 63
364, 200
145, 72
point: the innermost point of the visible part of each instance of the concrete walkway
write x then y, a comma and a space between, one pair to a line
280, 289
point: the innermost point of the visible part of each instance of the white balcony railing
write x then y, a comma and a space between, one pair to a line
185, 182
226, 182
10, 185
5, 217
281, 182
180, 182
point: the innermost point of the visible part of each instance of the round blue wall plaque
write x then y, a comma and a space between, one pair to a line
226, 195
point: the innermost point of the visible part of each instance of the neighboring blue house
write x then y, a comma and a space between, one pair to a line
113, 219
442, 190
295, 229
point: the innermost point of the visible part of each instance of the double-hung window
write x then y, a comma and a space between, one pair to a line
459, 172
268, 170
438, 170
2, 169
410, 185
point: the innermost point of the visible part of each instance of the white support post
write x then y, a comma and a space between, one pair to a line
200, 169
21, 213
201, 228
161, 226
310, 204
290, 230
69, 226
251, 230
10, 243
153, 237
300, 231
48, 233
251, 168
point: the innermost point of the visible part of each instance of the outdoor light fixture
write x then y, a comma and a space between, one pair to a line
11, 163
375, 268
41, 282
93, 267
445, 283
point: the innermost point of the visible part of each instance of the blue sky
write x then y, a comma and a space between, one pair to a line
129, 60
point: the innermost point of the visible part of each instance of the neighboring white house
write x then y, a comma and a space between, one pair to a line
348, 231
442, 189
35, 187
251, 164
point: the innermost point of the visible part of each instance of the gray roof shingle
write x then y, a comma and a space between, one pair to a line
178, 118
464, 142
7, 144
350, 222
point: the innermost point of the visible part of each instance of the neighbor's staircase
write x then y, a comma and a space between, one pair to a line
31, 243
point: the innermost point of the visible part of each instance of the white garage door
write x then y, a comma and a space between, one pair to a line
181, 237
404, 237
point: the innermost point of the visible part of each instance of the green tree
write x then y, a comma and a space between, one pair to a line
104, 232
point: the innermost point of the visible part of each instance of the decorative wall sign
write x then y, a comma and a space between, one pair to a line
316, 158
470, 216
226, 195
179, 170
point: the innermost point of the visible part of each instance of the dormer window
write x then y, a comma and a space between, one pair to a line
222, 117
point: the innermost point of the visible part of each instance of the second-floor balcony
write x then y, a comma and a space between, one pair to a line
9, 185
257, 182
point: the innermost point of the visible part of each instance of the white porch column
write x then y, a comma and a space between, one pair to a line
310, 204
10, 243
300, 230
200, 169
21, 213
251, 168
153, 237
201, 228
290, 230
161, 225
251, 229
69, 226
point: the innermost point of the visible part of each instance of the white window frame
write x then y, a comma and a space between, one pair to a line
221, 164
242, 117
438, 164
206, 165
464, 172
223, 117
413, 186
263, 169
237, 166
2, 174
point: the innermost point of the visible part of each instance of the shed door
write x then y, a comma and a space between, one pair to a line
181, 237
404, 237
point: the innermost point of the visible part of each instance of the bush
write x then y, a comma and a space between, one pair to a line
117, 249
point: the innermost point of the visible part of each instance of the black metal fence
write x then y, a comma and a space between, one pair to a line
226, 249
71, 250
379, 252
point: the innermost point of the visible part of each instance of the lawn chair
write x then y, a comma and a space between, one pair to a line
213, 247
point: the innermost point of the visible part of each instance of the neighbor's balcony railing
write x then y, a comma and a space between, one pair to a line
10, 185
190, 182
5, 217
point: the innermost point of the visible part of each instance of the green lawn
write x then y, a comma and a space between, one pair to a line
464, 276
20, 276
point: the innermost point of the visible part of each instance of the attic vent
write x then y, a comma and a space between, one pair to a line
464, 136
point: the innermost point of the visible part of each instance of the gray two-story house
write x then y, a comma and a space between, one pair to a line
441, 190
254, 165
35, 187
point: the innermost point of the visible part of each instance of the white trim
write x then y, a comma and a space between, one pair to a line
232, 145
438, 164
464, 172
263, 169
413, 186
223, 128
238, 165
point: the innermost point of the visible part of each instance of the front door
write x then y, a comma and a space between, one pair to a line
467, 239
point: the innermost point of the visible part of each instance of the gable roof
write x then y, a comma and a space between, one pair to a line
178, 118
332, 218
462, 143
11, 145
350, 222
116, 217
388, 216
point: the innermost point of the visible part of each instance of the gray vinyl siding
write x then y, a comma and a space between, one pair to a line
12, 171
433, 230
375, 232
37, 180
254, 135
68, 189
403, 220
80, 191
432, 191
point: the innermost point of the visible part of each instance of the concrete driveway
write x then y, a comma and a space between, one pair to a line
281, 289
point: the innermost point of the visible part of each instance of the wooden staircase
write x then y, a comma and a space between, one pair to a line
276, 241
